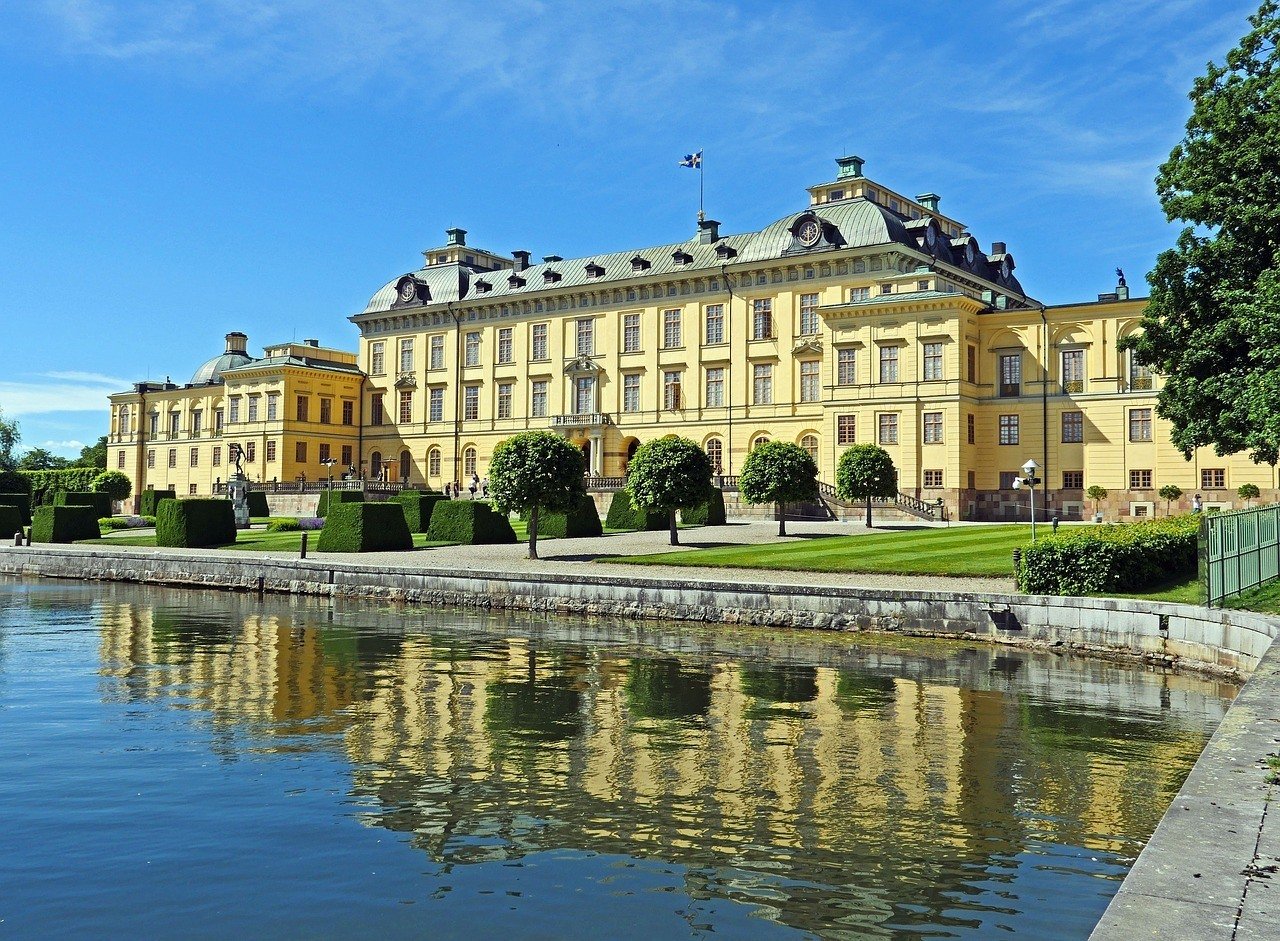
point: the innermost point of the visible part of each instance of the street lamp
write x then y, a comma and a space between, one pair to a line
328, 464
1030, 479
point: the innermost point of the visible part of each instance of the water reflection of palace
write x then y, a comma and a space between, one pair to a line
826, 792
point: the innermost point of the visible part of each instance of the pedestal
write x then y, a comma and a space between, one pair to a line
238, 492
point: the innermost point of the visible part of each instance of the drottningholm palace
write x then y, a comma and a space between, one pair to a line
866, 316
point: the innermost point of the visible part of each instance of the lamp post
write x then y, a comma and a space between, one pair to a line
1030, 479
328, 466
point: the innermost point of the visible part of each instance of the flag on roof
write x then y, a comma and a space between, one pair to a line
692, 160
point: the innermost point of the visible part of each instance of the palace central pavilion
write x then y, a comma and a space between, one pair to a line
866, 316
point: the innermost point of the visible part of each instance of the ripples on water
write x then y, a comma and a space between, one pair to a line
184, 764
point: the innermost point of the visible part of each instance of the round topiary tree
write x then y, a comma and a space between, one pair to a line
669, 474
866, 472
114, 484
780, 473
1248, 492
1168, 493
1097, 495
532, 471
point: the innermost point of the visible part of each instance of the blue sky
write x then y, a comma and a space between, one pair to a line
174, 170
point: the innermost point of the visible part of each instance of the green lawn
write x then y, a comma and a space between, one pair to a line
1265, 600
959, 550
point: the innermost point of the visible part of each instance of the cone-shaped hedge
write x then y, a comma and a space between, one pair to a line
364, 527
710, 513
470, 522
194, 523
64, 523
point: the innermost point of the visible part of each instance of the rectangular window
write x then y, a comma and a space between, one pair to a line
406, 406
762, 383
433, 462
435, 404
120, 460
888, 364
1073, 427
888, 428
715, 387
173, 457
971, 421
932, 427
300, 452
1139, 480
585, 341
271, 451
671, 333
505, 353
151, 459
175, 421
217, 457
933, 479
932, 361
1139, 375
377, 358
437, 351
324, 454
197, 421
1139, 424
377, 414
273, 407
191, 490
630, 333
846, 366
348, 413
808, 315
762, 319
715, 323
538, 399
195, 457
671, 390
304, 406
471, 403
406, 354
859, 294
584, 395
1011, 375
326, 411
971, 364
1073, 480
886, 289
1072, 371
1213, 478
251, 452
504, 399
538, 342
253, 408
233, 409
810, 387
1007, 478
471, 347
631, 392
1008, 429
154, 424
846, 429
346, 455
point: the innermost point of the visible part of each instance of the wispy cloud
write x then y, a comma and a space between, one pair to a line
59, 392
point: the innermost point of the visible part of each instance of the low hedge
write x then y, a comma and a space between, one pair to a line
418, 505
21, 502
10, 520
258, 503
101, 502
194, 523
1089, 560
622, 515
364, 527
64, 523
470, 522
581, 520
328, 497
151, 501
710, 513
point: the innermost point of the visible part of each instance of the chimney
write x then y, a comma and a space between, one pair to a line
456, 236
929, 201
551, 258
850, 168
311, 342
708, 231
237, 343
997, 248
522, 260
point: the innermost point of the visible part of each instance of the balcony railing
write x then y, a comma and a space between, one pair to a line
1140, 384
1073, 386
584, 420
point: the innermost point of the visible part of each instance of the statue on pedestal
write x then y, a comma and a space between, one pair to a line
238, 486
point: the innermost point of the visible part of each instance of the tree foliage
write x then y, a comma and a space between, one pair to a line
1168, 493
536, 470
778, 472
114, 484
1248, 492
94, 455
866, 472
42, 459
669, 474
1212, 326
9, 438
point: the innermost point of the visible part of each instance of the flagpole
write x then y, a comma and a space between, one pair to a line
701, 215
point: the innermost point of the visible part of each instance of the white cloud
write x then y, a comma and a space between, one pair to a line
59, 392
63, 446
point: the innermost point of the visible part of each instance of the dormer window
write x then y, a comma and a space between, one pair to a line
516, 281
483, 287
725, 251
639, 264
681, 257
595, 271
550, 276
835, 195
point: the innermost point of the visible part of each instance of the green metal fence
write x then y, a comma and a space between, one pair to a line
1239, 550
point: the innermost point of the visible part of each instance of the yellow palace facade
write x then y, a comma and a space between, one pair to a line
865, 316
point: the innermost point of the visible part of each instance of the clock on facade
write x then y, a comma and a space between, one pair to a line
809, 233
408, 291
1004, 268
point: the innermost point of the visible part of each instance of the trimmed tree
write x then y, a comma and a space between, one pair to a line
668, 474
1097, 495
779, 473
1168, 493
532, 471
114, 484
1248, 492
866, 472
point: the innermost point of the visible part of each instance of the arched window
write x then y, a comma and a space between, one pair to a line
406, 464
810, 444
763, 439
469, 461
715, 451
433, 462
124, 420
375, 465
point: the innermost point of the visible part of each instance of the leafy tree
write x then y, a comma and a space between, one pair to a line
866, 472
9, 438
114, 484
1212, 326
94, 455
42, 459
1097, 495
1248, 492
778, 473
1168, 493
669, 474
536, 470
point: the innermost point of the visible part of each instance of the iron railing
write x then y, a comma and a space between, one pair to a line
1239, 550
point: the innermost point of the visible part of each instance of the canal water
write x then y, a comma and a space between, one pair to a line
182, 764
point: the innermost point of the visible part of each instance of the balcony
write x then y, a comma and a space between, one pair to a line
584, 420
1073, 387
1010, 390
1141, 384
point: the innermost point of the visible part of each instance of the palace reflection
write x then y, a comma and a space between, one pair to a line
825, 789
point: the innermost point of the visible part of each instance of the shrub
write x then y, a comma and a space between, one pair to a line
537, 473
623, 515
10, 520
125, 522
330, 497
14, 482
64, 523
710, 513
1114, 557
114, 484
364, 527
418, 505
99, 501
470, 522
583, 519
284, 524
778, 472
22, 502
42, 484
195, 523
258, 503
151, 501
